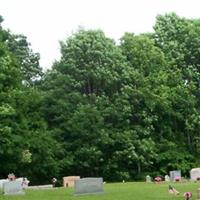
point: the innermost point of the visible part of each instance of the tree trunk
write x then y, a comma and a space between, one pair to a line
139, 167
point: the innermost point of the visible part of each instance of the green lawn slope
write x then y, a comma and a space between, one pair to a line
114, 191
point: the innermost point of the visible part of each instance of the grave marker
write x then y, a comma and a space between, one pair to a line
195, 174
13, 188
148, 179
89, 186
68, 181
174, 175
167, 179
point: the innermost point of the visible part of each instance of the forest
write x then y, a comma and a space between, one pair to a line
119, 110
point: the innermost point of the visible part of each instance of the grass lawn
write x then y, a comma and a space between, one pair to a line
114, 191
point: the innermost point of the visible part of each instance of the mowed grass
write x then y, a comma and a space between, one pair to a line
114, 191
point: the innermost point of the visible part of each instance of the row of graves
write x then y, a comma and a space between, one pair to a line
91, 185
17, 186
175, 176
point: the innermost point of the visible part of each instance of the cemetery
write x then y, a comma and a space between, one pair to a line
109, 118
164, 187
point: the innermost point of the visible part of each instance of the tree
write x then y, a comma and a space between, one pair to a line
179, 39
163, 98
27, 147
78, 90
26, 58
9, 86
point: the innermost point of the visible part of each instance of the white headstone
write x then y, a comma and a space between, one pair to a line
148, 179
12, 188
3, 181
194, 174
167, 179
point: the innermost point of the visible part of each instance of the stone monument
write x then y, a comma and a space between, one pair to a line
148, 179
3, 181
167, 179
68, 181
195, 174
12, 188
88, 186
175, 175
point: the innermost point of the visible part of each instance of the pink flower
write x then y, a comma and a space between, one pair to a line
187, 195
177, 178
158, 179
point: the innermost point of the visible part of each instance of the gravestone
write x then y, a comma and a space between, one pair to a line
195, 174
88, 186
3, 181
175, 175
148, 179
167, 179
12, 188
68, 181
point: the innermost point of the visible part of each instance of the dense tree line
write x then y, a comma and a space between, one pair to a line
119, 111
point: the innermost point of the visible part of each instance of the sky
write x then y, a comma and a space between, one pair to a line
46, 22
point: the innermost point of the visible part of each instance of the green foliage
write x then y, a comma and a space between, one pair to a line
117, 111
142, 54
78, 90
26, 145
26, 58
